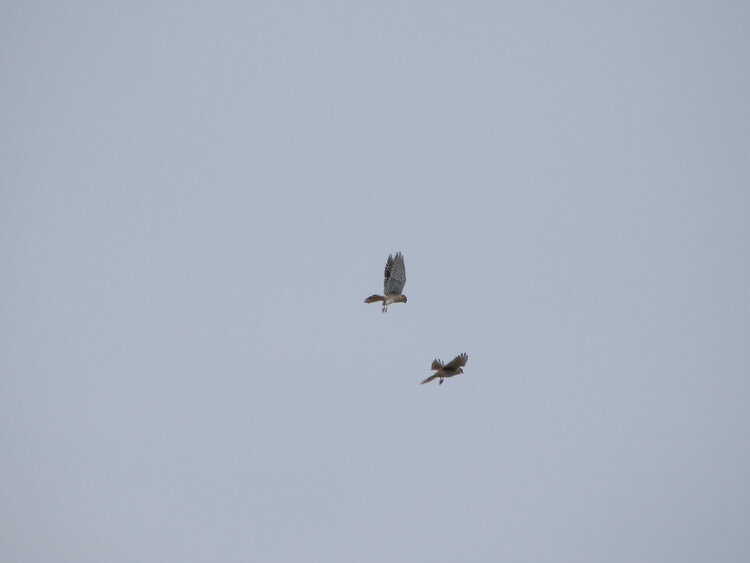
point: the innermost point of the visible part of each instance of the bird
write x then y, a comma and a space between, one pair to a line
454, 367
395, 279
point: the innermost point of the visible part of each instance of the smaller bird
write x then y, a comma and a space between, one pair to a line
454, 367
395, 279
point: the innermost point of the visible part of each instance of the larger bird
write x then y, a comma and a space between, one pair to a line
454, 367
395, 279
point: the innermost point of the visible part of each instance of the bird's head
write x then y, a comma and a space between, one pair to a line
460, 370
404, 298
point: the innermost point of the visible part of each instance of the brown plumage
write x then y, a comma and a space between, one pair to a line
448, 370
393, 285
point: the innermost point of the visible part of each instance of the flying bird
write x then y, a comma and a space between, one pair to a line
395, 279
454, 367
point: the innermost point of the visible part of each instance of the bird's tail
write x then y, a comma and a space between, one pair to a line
430, 379
374, 299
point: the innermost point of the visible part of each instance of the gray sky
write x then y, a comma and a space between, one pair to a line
196, 199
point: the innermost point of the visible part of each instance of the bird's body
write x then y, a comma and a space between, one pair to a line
393, 285
454, 367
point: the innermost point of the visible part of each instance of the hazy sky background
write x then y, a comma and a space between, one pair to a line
196, 199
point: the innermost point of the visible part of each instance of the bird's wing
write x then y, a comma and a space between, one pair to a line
395, 275
457, 362
437, 364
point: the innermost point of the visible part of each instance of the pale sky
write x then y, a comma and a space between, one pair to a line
197, 197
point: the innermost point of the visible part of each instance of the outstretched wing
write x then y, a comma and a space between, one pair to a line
437, 364
457, 362
395, 275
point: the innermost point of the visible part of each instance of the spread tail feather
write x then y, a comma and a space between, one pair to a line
374, 299
430, 379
